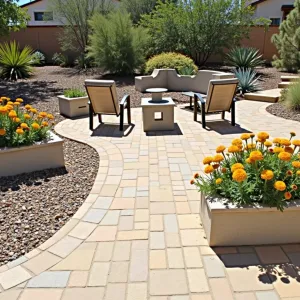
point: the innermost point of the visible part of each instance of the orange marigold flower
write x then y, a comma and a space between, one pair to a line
35, 126
219, 180
250, 146
220, 149
9, 107
208, 169
256, 155
24, 126
192, 181
279, 186
263, 135
28, 107
296, 164
278, 149
17, 120
208, 160
285, 156
196, 175
224, 170
33, 110
43, 114
218, 158
50, 116
268, 144
19, 100
249, 160
12, 114
277, 140
2, 131
287, 195
3, 110
296, 143
289, 172
45, 124
289, 149
237, 142
16, 103
20, 131
10, 103
294, 187
236, 166
233, 149
245, 136
239, 175
267, 175
298, 173
285, 142
26, 116
260, 141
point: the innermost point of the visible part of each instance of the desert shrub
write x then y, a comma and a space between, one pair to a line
253, 171
74, 93
61, 60
38, 58
292, 99
283, 94
83, 62
187, 71
15, 63
116, 45
240, 57
170, 60
248, 80
22, 125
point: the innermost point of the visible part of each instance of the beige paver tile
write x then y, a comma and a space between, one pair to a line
158, 259
172, 240
109, 190
179, 298
126, 223
156, 223
32, 253
168, 282
197, 281
115, 291
159, 194
118, 271
221, 289
65, 246
142, 202
10, 295
132, 235
175, 258
141, 225
267, 295
86, 293
192, 257
206, 250
182, 207
13, 277
122, 251
271, 254
137, 291
80, 259
141, 215
157, 240
103, 234
213, 266
78, 279
189, 221
38, 294
170, 223
140, 245
201, 297
122, 203
41, 262
99, 274
159, 298
139, 265
104, 251
82, 230
245, 296
159, 208
193, 237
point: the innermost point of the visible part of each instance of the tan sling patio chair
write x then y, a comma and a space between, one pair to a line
104, 101
220, 98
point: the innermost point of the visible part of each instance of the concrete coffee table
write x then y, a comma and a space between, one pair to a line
157, 93
158, 115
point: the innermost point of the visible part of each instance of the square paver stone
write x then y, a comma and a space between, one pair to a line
267, 295
214, 266
53, 279
41, 294
65, 246
103, 234
83, 294
95, 215
82, 230
168, 282
193, 237
13, 277
10, 295
271, 255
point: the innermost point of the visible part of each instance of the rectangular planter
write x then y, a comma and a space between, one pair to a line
228, 225
73, 107
25, 159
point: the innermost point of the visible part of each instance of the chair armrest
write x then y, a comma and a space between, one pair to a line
125, 99
197, 95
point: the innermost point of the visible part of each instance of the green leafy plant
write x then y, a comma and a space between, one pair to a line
15, 63
74, 93
190, 70
292, 98
38, 58
247, 58
83, 62
253, 172
116, 45
171, 60
248, 80
61, 60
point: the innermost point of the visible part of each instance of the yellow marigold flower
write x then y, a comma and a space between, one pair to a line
249, 161
233, 149
35, 126
24, 126
17, 120
16, 103
268, 144
236, 166
224, 170
277, 140
218, 158
2, 131
267, 175
20, 131
296, 164
245, 136
12, 114
9, 107
26, 116
252, 135
287, 195
33, 110
50, 116
10, 103
208, 169
43, 114
220, 149
285, 156
278, 149
294, 187
285, 142
208, 160
289, 149
28, 107
298, 173
237, 142
19, 100
250, 146
45, 123
256, 155
279, 186
192, 181
239, 175
196, 175
260, 141
219, 181
296, 143
292, 133
3, 110
263, 135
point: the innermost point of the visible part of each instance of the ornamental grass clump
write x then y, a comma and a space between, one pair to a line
22, 125
253, 171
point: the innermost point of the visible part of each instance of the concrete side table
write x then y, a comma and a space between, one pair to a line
157, 93
158, 115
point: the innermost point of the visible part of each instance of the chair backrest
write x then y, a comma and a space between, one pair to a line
220, 94
103, 96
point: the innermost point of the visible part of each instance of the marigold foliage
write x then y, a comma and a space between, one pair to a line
263, 173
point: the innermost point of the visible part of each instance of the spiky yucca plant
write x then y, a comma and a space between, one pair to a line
248, 80
15, 63
240, 57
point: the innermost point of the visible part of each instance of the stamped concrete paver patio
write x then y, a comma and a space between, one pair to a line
139, 236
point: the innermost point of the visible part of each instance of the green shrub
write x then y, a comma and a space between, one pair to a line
292, 99
38, 58
116, 45
74, 93
187, 71
61, 60
83, 62
247, 58
170, 60
248, 80
15, 63
283, 94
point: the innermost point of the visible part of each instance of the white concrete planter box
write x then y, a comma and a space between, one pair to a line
228, 225
40, 156
73, 107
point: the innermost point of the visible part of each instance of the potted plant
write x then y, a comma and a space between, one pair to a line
73, 103
26, 141
250, 191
